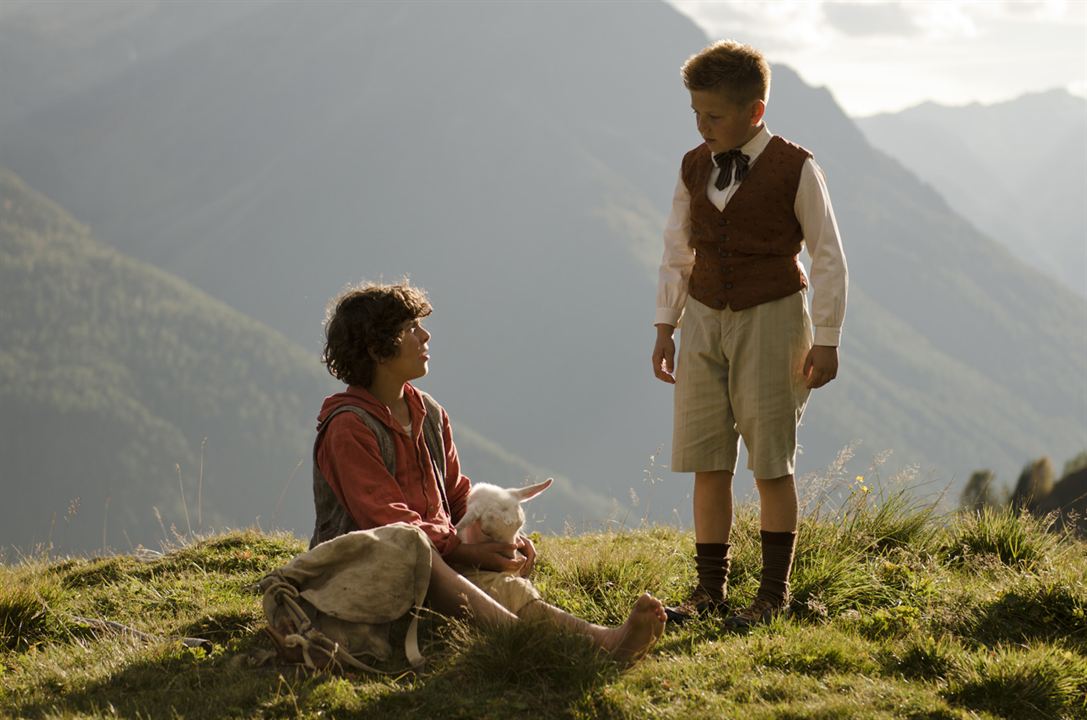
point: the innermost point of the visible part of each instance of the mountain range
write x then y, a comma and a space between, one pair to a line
1015, 169
517, 160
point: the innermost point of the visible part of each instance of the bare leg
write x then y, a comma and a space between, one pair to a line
627, 643
712, 506
451, 594
778, 504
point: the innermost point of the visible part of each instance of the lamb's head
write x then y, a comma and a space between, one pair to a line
498, 511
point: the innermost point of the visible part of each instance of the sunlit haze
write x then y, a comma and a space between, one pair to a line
886, 56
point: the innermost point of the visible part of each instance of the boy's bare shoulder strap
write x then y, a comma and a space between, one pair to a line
432, 430
384, 439
435, 442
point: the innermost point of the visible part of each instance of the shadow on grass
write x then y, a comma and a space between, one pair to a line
1036, 683
177, 682
1052, 612
514, 672
523, 670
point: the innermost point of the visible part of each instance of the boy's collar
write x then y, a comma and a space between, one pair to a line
753, 147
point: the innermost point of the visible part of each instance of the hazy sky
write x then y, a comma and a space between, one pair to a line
880, 55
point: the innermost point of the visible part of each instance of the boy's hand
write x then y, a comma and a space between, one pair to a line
500, 557
529, 551
821, 365
664, 355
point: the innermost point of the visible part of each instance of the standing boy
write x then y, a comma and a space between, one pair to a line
745, 204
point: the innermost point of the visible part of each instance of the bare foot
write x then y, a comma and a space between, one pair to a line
630, 642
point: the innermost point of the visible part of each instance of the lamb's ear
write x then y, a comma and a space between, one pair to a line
527, 493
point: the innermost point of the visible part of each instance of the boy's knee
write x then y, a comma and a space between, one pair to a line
774, 484
714, 477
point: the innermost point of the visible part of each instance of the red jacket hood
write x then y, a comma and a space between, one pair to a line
361, 397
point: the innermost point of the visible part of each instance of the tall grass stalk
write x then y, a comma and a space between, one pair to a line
200, 486
286, 486
105, 525
184, 504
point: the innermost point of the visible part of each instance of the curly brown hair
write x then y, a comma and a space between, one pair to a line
363, 325
736, 69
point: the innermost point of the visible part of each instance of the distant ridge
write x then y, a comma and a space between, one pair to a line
1015, 169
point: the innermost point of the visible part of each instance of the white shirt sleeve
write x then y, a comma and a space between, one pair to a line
678, 260
829, 274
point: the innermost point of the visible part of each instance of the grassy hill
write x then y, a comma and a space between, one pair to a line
897, 613
116, 377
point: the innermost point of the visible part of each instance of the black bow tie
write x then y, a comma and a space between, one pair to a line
725, 161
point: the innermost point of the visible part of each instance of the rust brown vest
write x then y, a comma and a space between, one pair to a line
748, 253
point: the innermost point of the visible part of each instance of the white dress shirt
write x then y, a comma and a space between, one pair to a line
829, 279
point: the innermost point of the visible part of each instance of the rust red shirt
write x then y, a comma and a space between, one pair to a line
350, 460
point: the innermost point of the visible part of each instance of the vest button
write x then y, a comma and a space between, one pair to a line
728, 286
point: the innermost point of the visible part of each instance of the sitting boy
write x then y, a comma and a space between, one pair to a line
745, 203
384, 453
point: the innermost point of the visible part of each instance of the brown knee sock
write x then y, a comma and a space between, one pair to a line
777, 564
712, 561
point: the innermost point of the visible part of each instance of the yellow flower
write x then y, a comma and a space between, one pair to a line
865, 489
860, 478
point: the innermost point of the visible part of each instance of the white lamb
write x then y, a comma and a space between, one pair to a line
495, 513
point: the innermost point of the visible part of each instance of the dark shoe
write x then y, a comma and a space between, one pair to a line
698, 604
757, 613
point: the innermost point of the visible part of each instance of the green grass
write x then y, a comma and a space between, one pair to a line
897, 613
1014, 539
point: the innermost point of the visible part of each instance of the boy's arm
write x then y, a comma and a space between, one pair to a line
829, 273
675, 272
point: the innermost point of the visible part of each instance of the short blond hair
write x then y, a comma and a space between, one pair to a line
731, 67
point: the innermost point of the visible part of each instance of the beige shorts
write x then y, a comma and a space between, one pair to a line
512, 592
741, 374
